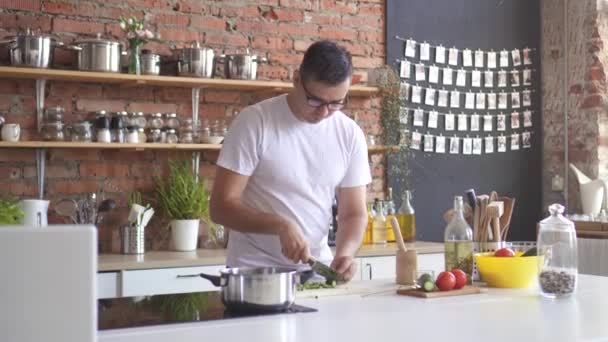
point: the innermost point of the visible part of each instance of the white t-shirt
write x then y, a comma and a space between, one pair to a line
294, 168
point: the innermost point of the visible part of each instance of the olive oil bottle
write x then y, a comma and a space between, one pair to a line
406, 216
458, 239
379, 228
367, 238
390, 213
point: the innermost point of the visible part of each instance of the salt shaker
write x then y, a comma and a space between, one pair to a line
557, 254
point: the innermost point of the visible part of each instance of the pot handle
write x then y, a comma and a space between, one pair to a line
6, 41
215, 280
71, 47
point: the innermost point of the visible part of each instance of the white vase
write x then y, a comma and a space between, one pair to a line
184, 234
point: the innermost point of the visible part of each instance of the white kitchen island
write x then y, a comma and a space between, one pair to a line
496, 315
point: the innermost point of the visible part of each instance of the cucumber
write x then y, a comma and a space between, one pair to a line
530, 252
425, 277
428, 286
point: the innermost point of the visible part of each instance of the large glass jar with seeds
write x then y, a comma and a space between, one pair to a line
557, 254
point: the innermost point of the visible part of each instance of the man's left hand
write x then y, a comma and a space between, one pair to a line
345, 266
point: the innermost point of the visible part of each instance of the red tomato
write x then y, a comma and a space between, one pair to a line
445, 281
504, 252
461, 278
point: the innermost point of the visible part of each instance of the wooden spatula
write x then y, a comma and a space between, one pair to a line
505, 219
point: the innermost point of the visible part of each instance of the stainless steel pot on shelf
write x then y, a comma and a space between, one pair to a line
98, 54
31, 50
255, 288
150, 63
195, 61
241, 66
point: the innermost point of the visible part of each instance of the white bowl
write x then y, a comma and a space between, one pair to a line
211, 140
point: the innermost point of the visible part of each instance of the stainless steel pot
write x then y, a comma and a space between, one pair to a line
97, 54
31, 50
242, 66
150, 63
256, 288
195, 61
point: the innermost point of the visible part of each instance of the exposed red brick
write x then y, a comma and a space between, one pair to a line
84, 9
285, 58
593, 101
359, 21
191, 6
273, 72
371, 36
72, 187
10, 172
26, 5
133, 94
118, 155
104, 170
53, 171
576, 89
325, 19
240, 11
91, 105
223, 96
179, 35
299, 30
271, 43
22, 188
179, 20
150, 4
302, 4
289, 15
64, 155
223, 38
348, 7
257, 27
70, 89
76, 26
372, 10
152, 107
22, 21
208, 23
302, 45
145, 169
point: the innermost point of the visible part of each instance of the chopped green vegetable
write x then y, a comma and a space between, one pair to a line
313, 285
428, 286
423, 279
530, 252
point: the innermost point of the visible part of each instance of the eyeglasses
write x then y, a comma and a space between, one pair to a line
318, 103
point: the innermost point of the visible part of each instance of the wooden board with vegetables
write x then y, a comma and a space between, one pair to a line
467, 290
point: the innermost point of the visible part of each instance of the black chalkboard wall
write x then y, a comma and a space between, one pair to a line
436, 178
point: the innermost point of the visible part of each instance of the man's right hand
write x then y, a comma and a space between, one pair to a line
293, 244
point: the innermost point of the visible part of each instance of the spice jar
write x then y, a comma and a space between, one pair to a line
132, 135
102, 124
142, 135
171, 121
171, 137
156, 122
117, 129
154, 136
186, 133
52, 131
140, 120
81, 132
557, 254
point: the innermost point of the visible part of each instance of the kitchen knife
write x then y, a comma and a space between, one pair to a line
324, 270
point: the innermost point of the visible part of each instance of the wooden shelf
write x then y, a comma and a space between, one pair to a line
97, 145
167, 81
140, 147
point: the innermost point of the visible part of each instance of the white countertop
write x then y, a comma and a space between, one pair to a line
496, 315
208, 257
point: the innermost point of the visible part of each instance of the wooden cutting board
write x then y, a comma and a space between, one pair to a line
467, 290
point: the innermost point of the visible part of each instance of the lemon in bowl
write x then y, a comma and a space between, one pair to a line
507, 272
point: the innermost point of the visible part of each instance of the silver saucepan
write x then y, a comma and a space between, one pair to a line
97, 54
255, 289
242, 66
31, 50
195, 61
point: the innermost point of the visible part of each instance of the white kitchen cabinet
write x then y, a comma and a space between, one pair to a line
384, 267
108, 285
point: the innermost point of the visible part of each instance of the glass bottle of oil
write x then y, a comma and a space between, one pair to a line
406, 216
390, 213
367, 238
458, 239
379, 228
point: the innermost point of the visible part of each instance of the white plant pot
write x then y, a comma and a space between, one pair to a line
184, 234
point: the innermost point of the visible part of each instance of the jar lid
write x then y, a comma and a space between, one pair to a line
97, 40
157, 115
140, 129
101, 112
140, 114
556, 217
171, 131
172, 115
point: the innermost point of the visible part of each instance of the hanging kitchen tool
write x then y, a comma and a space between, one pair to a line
254, 289
407, 259
104, 207
31, 49
67, 208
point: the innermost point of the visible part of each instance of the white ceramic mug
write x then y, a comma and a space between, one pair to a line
11, 132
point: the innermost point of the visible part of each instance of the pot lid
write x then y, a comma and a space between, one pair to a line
28, 32
97, 40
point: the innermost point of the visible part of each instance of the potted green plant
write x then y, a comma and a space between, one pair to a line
10, 212
184, 199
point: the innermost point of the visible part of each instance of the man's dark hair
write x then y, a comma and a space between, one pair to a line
326, 62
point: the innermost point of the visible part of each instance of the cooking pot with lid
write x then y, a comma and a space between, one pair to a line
256, 288
29, 49
195, 61
243, 66
98, 54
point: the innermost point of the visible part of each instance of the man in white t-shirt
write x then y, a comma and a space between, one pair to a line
282, 163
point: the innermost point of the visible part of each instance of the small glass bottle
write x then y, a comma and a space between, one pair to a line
171, 136
390, 213
367, 238
458, 239
132, 135
557, 254
156, 122
155, 136
379, 229
406, 217
171, 121
142, 135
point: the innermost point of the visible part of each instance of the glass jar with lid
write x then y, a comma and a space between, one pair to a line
557, 254
142, 135
81, 132
171, 121
140, 120
171, 136
102, 126
52, 131
154, 135
54, 114
156, 121
132, 135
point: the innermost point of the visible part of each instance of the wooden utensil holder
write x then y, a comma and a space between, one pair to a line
407, 267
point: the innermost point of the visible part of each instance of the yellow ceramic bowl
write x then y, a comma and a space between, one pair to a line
507, 272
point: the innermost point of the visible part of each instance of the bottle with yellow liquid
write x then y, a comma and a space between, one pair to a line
390, 212
406, 216
458, 238
367, 238
379, 228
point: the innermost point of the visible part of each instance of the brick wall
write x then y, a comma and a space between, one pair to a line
281, 30
587, 124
